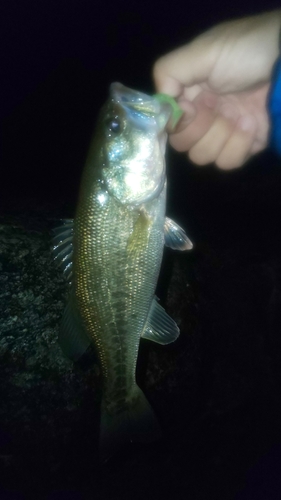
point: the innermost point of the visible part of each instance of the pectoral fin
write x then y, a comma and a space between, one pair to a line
175, 236
160, 327
138, 240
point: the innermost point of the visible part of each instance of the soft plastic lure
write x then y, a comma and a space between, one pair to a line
177, 112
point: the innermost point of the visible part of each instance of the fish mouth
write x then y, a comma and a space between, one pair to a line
138, 102
139, 175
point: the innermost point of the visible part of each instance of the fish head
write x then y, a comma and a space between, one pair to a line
133, 145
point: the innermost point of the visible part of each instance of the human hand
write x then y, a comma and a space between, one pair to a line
221, 80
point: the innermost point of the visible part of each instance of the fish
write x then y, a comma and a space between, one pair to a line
111, 255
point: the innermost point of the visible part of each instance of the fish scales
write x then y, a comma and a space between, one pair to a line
111, 255
115, 286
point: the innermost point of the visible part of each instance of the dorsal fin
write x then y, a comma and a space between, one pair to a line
63, 247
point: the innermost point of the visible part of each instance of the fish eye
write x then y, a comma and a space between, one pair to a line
113, 124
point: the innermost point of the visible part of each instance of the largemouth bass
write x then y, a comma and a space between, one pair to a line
112, 254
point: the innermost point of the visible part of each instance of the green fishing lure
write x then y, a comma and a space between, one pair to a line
177, 112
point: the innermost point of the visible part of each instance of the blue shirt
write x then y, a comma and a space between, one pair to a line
274, 106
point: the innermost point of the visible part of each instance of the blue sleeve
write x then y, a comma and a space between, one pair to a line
274, 106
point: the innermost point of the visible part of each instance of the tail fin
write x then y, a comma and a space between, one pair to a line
137, 423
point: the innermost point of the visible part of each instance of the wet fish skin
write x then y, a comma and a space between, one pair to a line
118, 238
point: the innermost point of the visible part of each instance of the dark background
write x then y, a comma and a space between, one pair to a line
58, 59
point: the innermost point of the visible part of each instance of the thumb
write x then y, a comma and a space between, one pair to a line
185, 66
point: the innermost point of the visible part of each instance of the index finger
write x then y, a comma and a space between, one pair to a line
184, 66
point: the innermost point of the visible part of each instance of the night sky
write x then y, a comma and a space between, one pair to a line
58, 59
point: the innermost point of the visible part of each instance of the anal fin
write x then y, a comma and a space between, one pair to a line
160, 327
